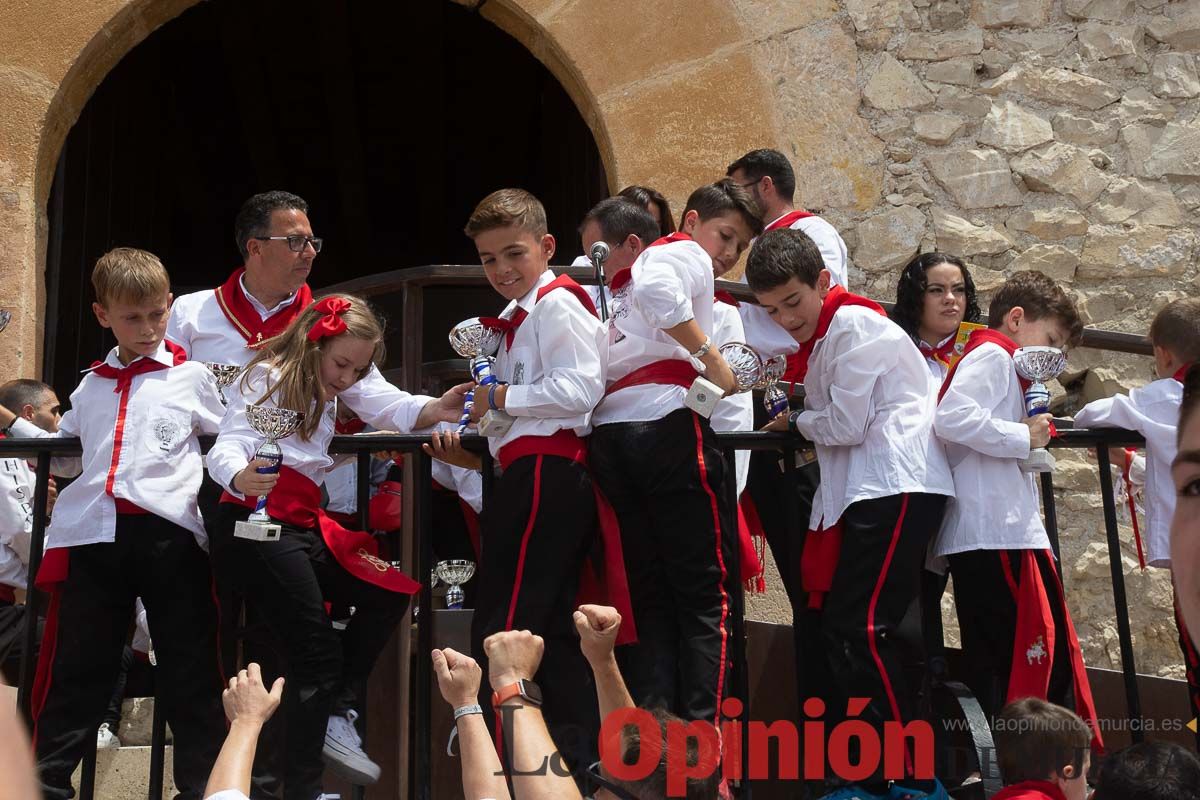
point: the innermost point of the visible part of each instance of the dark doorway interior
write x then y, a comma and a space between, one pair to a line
391, 119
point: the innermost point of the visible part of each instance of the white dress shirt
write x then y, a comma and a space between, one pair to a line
1153, 411
200, 327
734, 412
827, 240
555, 367
16, 521
384, 407
671, 284
995, 504
157, 463
869, 411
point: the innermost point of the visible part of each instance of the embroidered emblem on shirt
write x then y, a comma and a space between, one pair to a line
167, 432
1037, 651
519, 373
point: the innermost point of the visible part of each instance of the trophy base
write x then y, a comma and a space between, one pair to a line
495, 423
257, 531
703, 397
1039, 460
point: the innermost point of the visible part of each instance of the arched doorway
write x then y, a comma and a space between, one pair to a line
392, 120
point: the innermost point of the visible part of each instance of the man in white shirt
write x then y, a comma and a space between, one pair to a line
35, 402
868, 410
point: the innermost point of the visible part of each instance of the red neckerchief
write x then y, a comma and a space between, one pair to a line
510, 325
622, 276
787, 219
124, 375
246, 320
943, 353
1181, 372
1030, 790
977, 339
722, 296
350, 426
797, 363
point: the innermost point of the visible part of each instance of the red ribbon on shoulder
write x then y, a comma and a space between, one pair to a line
332, 323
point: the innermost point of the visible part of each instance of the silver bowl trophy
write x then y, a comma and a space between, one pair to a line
1038, 364
5, 318
774, 399
454, 573
274, 424
478, 342
747, 368
225, 374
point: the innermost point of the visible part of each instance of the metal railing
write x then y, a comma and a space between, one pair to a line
44, 449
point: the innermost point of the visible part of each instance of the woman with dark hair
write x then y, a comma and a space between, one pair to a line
653, 201
934, 296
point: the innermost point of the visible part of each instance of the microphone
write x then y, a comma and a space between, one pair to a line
599, 253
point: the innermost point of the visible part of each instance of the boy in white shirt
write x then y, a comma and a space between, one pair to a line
128, 526
540, 521
659, 463
1153, 411
885, 480
1006, 587
36, 402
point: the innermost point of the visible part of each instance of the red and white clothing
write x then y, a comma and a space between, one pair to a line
139, 446
385, 407
668, 285
734, 412
553, 363
824, 236
16, 522
223, 325
938, 359
1153, 411
979, 421
869, 411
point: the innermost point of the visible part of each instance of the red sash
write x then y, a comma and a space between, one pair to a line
797, 363
7, 594
787, 219
296, 500
603, 579
1033, 644
752, 560
668, 372
976, 339
246, 320
943, 353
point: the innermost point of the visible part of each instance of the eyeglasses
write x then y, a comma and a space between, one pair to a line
595, 782
296, 242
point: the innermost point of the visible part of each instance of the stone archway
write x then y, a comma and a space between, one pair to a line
665, 109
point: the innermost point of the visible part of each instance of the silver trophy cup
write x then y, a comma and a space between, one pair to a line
225, 374
774, 399
747, 369
5, 318
478, 342
274, 424
1038, 364
454, 573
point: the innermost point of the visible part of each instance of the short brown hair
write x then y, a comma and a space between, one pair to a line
1040, 297
130, 275
505, 207
722, 197
1036, 740
1177, 329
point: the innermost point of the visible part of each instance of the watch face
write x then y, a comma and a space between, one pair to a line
531, 692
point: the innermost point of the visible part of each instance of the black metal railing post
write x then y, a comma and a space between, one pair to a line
158, 746
741, 675
1050, 512
1133, 703
362, 492
423, 481
37, 543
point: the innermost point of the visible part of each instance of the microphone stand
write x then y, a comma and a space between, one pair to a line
598, 257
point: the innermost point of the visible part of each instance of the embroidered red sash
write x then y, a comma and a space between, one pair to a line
246, 321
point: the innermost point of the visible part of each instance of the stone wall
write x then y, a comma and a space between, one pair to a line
1058, 135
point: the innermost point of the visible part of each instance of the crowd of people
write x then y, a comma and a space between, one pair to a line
611, 560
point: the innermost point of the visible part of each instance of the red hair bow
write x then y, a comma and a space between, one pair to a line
332, 323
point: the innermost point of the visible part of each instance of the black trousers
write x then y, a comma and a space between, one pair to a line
452, 537
136, 679
666, 480
535, 531
876, 581
987, 620
287, 582
12, 640
161, 563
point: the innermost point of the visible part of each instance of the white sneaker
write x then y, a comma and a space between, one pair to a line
327, 796
343, 751
106, 739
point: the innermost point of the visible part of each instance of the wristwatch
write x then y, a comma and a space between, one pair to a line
527, 690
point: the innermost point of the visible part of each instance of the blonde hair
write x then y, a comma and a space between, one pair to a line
506, 207
129, 274
297, 359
